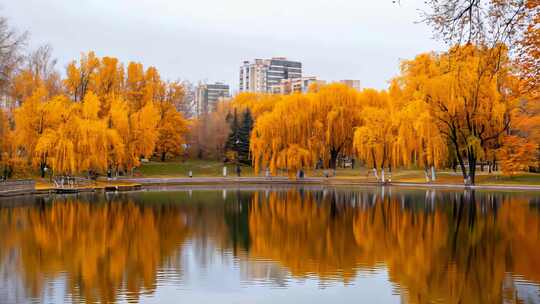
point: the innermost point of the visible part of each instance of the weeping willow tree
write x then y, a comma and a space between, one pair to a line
316, 126
106, 119
282, 138
468, 93
376, 140
80, 141
334, 112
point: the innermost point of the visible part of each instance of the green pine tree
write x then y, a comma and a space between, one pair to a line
244, 134
234, 139
238, 140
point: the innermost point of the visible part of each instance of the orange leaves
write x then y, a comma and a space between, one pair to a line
80, 76
376, 137
293, 158
144, 130
258, 103
90, 106
314, 126
466, 94
104, 248
517, 154
171, 129
106, 121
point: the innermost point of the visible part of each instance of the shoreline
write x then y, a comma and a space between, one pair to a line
173, 181
134, 184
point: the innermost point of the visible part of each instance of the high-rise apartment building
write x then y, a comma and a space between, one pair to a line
253, 76
295, 85
262, 74
208, 95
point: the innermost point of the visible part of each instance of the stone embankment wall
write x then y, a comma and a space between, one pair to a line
17, 186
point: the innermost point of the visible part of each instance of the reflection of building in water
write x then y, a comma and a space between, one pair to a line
438, 246
12, 288
519, 291
269, 272
433, 246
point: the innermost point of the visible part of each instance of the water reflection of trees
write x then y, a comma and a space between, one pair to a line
102, 247
438, 246
113, 246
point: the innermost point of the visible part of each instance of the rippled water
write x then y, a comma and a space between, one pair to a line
272, 245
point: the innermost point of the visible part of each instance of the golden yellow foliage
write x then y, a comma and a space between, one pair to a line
376, 141
517, 154
102, 248
257, 103
316, 125
104, 122
171, 130
468, 93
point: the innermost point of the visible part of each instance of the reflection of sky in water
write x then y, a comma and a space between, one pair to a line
288, 247
227, 280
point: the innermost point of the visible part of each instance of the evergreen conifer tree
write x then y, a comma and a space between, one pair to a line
244, 134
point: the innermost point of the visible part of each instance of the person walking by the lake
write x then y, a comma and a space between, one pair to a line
238, 170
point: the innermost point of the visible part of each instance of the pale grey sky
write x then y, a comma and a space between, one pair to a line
208, 39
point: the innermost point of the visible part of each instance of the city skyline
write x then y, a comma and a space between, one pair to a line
180, 41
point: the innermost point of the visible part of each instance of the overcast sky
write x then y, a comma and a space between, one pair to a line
209, 39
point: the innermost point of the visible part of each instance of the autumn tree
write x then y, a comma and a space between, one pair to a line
419, 139
103, 121
257, 103
528, 55
171, 128
517, 154
284, 138
513, 23
36, 70
31, 120
488, 22
375, 140
209, 133
5, 146
468, 93
79, 75
334, 114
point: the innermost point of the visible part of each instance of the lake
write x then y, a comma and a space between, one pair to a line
272, 245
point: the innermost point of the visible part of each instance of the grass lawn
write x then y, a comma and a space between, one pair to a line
206, 168
199, 168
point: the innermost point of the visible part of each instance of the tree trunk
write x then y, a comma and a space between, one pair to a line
433, 175
460, 160
471, 156
42, 169
333, 158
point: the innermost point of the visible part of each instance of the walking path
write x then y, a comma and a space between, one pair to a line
313, 181
129, 184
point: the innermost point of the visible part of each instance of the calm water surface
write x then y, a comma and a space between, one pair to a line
272, 245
